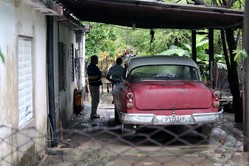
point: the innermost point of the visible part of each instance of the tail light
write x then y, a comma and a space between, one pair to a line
130, 100
129, 95
216, 98
217, 95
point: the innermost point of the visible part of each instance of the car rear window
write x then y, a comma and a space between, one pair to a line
164, 72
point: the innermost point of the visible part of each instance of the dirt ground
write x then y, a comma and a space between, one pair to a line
98, 142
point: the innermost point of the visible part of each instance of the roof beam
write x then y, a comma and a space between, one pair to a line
151, 14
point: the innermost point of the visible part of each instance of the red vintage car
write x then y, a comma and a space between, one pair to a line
164, 90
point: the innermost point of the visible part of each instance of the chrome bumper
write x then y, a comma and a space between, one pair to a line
151, 119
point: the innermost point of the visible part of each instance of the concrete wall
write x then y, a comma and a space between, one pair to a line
18, 19
28, 143
64, 98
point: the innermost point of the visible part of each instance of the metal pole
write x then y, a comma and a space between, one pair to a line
79, 35
80, 66
246, 76
83, 60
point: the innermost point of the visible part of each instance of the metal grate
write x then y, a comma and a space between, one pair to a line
106, 145
62, 66
98, 142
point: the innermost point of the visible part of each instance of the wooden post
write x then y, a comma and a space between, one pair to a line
194, 45
211, 55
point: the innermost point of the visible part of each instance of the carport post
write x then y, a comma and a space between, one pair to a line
211, 55
194, 45
246, 77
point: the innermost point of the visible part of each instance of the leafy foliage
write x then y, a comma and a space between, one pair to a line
174, 50
115, 40
239, 53
186, 49
100, 39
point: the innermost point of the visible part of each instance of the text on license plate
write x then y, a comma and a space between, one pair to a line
174, 119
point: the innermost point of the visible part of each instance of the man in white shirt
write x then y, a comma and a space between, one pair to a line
116, 72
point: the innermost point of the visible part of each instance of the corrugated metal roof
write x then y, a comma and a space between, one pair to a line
152, 14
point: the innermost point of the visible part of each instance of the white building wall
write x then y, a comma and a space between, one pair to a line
20, 20
64, 98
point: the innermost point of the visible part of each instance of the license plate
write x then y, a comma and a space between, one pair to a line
174, 119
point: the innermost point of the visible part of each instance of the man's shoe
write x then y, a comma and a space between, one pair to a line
95, 117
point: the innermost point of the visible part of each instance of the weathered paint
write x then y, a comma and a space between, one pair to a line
63, 98
21, 20
156, 101
171, 95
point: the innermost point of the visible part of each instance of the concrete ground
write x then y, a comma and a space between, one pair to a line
97, 142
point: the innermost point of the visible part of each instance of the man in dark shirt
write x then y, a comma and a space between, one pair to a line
94, 80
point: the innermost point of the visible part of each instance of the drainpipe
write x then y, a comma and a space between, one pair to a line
79, 36
83, 76
50, 67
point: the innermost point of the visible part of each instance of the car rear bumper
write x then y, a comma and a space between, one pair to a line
151, 119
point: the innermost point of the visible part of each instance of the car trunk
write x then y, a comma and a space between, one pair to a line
168, 95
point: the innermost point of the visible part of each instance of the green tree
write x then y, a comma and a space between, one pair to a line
100, 39
140, 39
114, 39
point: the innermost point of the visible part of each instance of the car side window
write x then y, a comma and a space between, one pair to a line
195, 74
186, 73
190, 73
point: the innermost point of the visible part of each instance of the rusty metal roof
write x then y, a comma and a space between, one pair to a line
152, 14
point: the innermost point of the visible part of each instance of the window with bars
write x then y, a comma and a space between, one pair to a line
25, 86
72, 61
62, 66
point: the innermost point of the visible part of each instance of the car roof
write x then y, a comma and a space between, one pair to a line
159, 60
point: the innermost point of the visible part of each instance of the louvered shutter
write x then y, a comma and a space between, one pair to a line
25, 93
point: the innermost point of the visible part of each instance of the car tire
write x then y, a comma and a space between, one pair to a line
204, 131
128, 131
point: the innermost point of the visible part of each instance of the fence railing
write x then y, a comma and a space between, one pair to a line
145, 145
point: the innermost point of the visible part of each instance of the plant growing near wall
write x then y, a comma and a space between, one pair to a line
1, 55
